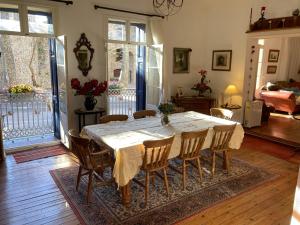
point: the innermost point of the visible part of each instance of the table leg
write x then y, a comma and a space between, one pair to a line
126, 194
83, 117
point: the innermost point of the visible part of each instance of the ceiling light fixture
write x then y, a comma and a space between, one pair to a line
167, 7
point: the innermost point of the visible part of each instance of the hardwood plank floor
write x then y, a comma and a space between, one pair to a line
30, 196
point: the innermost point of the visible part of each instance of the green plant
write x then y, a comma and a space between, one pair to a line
20, 88
166, 108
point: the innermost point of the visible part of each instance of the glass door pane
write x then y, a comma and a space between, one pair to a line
121, 69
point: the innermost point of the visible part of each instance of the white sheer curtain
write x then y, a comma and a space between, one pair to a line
293, 71
157, 35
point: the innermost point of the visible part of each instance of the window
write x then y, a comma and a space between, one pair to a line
40, 21
117, 30
125, 30
138, 32
24, 19
9, 18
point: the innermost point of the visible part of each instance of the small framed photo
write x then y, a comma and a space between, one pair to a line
179, 92
221, 60
273, 55
181, 60
271, 69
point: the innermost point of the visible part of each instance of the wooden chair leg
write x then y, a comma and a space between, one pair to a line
227, 161
213, 164
166, 181
224, 161
90, 185
153, 179
183, 174
78, 177
199, 168
147, 187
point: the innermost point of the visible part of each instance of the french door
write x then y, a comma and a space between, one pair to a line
135, 77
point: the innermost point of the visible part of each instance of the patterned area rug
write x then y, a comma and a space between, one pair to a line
106, 208
39, 153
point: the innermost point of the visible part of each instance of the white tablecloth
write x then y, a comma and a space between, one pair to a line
126, 138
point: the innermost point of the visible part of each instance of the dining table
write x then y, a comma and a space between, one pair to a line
125, 139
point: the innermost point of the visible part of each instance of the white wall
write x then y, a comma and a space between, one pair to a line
206, 25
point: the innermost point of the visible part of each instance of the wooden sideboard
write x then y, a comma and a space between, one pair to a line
197, 104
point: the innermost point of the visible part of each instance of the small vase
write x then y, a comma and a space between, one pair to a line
165, 120
90, 103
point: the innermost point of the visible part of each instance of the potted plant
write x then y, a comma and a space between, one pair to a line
202, 86
89, 89
166, 109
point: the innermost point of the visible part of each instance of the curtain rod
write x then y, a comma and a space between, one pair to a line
62, 1
126, 11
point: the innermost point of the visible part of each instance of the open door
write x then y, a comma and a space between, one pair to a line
62, 78
154, 76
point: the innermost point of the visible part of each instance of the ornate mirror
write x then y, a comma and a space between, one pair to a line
84, 54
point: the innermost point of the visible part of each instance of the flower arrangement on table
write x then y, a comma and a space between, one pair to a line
89, 89
202, 86
20, 89
166, 109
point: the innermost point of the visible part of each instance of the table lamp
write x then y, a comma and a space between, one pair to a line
231, 90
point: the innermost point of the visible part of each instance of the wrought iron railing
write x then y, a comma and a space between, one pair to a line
122, 101
26, 114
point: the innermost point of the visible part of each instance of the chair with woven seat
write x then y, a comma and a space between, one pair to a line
110, 118
191, 145
220, 143
90, 163
156, 159
144, 113
221, 113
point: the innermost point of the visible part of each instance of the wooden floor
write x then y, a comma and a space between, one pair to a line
29, 195
279, 128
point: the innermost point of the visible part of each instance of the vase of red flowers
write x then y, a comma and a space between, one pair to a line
90, 90
202, 86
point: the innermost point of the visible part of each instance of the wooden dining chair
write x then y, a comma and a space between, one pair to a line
156, 159
90, 163
144, 113
191, 145
221, 113
110, 118
220, 143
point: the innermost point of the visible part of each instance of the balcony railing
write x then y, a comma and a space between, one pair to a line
122, 101
26, 114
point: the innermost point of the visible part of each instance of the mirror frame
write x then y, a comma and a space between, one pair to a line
83, 41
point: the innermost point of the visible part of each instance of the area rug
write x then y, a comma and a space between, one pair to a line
39, 153
106, 208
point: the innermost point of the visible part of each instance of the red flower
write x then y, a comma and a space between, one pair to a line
75, 84
263, 8
94, 83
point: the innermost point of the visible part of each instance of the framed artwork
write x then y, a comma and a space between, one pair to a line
221, 60
273, 55
181, 60
179, 91
271, 69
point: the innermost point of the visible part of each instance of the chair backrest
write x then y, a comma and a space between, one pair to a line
109, 118
191, 143
157, 153
221, 113
80, 148
144, 113
222, 137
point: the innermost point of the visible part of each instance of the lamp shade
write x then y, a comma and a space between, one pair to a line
231, 90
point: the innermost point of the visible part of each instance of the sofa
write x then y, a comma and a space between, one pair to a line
286, 98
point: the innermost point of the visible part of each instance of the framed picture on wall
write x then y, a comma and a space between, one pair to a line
273, 55
181, 60
221, 60
271, 69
